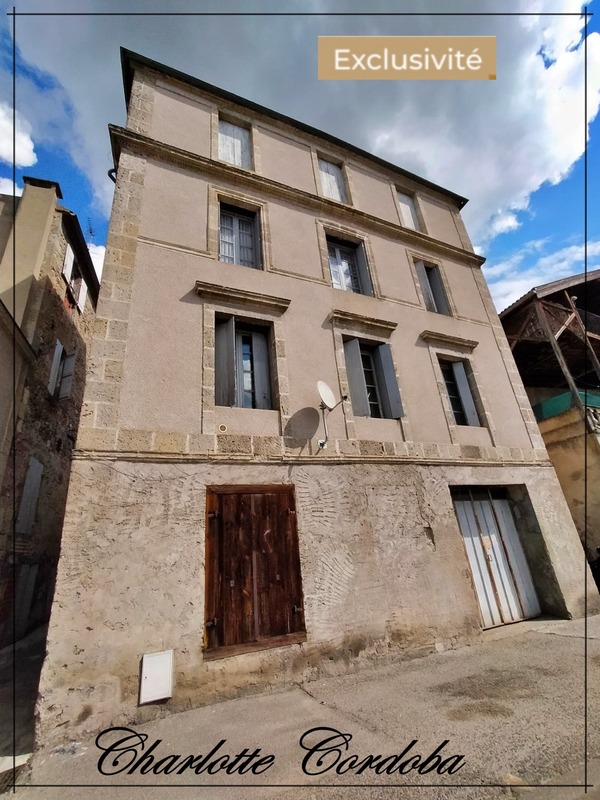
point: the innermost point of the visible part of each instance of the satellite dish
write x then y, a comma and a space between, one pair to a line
326, 395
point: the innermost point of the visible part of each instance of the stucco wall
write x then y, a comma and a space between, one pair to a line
383, 567
566, 439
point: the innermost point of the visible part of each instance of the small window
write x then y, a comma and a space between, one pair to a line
61, 373
332, 181
372, 380
234, 144
76, 286
242, 374
459, 393
29, 498
432, 287
238, 236
348, 267
408, 212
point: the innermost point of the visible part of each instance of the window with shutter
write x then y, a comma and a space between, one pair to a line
76, 286
253, 580
348, 267
408, 211
234, 144
332, 181
459, 393
29, 498
61, 372
238, 237
242, 374
432, 287
372, 380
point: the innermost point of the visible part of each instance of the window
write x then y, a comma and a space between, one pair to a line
76, 286
459, 392
242, 375
234, 144
61, 373
432, 287
29, 498
348, 267
408, 211
253, 579
238, 238
332, 181
372, 380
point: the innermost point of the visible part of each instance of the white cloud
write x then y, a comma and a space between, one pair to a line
24, 153
495, 142
508, 280
97, 253
6, 187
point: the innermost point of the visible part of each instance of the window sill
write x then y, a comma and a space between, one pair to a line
251, 647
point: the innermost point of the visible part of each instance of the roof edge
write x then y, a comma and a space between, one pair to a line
129, 59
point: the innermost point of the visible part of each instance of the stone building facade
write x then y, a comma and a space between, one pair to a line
250, 256
48, 294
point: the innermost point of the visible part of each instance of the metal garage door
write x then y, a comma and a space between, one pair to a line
501, 575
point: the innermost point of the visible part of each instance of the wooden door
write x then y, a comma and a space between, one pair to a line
253, 580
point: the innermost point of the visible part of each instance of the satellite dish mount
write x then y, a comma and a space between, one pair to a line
328, 403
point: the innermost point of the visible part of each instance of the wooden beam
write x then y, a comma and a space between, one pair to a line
558, 353
592, 354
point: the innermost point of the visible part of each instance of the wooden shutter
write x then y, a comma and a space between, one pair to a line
83, 290
387, 383
29, 498
234, 144
66, 379
262, 380
356, 378
425, 286
332, 181
225, 362
366, 284
408, 212
438, 291
54, 369
464, 390
68, 265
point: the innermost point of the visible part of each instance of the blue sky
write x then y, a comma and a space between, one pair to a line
514, 147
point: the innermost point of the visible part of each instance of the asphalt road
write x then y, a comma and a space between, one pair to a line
506, 716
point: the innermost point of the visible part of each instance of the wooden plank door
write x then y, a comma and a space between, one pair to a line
253, 579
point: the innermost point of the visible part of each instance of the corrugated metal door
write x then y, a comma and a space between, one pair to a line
501, 575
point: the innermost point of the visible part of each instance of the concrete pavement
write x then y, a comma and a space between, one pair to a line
511, 706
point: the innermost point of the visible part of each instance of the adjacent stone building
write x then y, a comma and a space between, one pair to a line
210, 516
48, 295
554, 333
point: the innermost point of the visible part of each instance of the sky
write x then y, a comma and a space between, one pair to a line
514, 146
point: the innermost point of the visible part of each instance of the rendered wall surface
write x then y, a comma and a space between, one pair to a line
383, 567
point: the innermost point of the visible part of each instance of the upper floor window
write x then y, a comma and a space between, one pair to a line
372, 380
235, 144
238, 236
76, 286
242, 373
348, 267
459, 392
408, 211
432, 287
61, 372
332, 181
